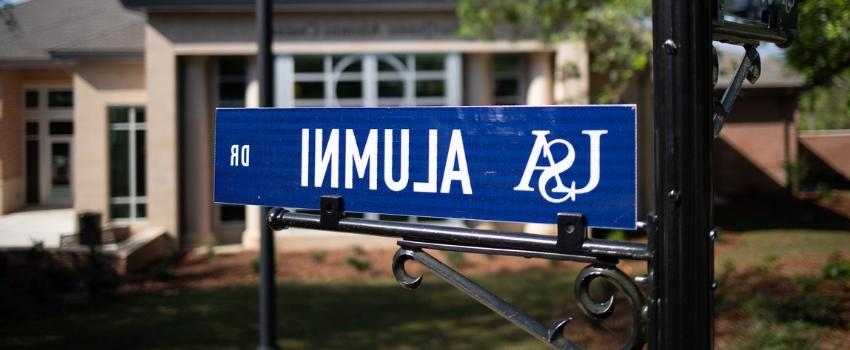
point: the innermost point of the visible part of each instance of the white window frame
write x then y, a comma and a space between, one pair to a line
406, 71
133, 199
370, 76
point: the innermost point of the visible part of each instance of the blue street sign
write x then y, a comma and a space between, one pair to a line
521, 164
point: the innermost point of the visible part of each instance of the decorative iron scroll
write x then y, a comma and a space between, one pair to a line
571, 244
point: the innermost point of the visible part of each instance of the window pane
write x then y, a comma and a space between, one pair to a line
232, 213
384, 66
429, 88
231, 91
119, 114
60, 99
505, 63
309, 64
309, 89
140, 114
231, 66
393, 218
392, 88
119, 211
349, 89
141, 184
119, 165
60, 170
31, 99
61, 128
141, 210
33, 191
353, 67
32, 128
429, 62
428, 219
506, 87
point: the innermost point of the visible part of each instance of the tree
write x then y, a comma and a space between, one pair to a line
821, 49
617, 33
821, 52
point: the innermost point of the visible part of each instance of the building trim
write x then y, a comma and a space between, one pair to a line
294, 6
337, 47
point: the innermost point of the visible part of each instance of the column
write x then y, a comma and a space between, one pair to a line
163, 189
572, 73
478, 74
253, 222
12, 182
197, 154
539, 90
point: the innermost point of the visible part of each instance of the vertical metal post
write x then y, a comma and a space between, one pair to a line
682, 317
268, 304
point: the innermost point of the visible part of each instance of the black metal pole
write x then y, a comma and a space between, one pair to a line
683, 267
268, 304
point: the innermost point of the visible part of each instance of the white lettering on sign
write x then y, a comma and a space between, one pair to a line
554, 169
404, 160
240, 155
358, 161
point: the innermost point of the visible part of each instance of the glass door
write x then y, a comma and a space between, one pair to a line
60, 172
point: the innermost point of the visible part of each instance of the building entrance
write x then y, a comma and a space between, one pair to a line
49, 133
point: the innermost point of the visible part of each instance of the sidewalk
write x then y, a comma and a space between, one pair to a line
23, 228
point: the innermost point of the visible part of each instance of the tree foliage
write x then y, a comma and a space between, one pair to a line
821, 49
617, 33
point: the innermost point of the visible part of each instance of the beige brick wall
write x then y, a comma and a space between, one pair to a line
12, 172
98, 85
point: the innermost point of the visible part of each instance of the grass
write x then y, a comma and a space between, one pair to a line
378, 314
373, 314
754, 246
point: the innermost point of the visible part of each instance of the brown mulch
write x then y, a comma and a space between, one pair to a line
195, 271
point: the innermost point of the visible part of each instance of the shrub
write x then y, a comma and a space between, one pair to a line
319, 257
359, 264
255, 264
455, 258
162, 272
837, 267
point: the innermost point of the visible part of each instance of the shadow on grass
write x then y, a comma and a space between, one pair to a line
352, 315
753, 213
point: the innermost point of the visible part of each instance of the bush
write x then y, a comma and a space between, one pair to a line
455, 259
837, 267
255, 264
162, 272
359, 264
319, 257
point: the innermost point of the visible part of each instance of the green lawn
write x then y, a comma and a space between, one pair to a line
753, 246
375, 314
357, 314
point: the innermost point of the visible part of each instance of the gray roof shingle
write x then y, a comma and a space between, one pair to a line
34, 30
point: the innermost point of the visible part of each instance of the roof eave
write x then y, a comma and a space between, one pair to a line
293, 8
77, 55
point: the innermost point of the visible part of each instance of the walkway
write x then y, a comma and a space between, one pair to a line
23, 228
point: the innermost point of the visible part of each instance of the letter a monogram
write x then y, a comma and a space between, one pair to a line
543, 147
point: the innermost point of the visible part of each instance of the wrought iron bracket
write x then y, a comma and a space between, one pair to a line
553, 335
749, 69
571, 243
